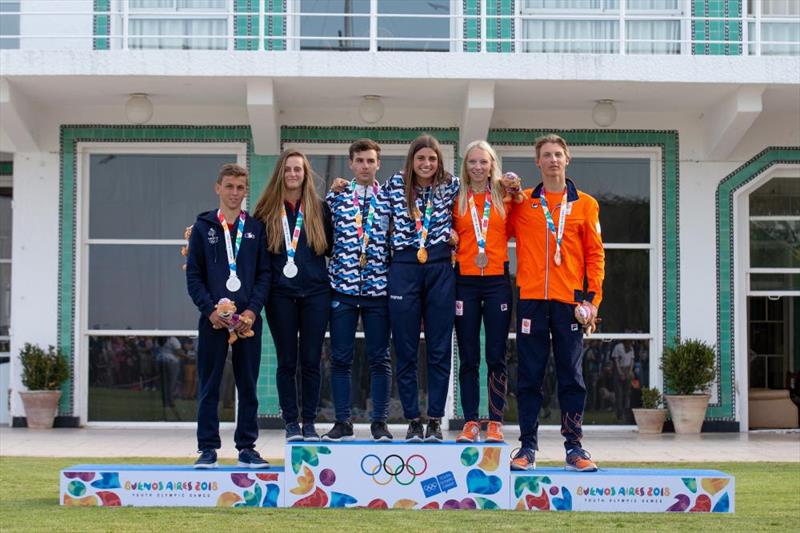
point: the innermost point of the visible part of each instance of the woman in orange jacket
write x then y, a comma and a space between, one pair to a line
483, 288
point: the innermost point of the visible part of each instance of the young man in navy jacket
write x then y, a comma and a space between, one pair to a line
228, 259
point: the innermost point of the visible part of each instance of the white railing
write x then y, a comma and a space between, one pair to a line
601, 32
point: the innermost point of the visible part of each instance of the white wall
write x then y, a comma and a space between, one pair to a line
34, 275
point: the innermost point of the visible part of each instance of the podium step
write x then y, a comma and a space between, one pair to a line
171, 486
399, 476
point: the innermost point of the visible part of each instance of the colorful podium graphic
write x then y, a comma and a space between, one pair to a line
170, 486
400, 476
623, 490
392, 476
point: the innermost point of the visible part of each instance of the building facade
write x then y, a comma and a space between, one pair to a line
683, 117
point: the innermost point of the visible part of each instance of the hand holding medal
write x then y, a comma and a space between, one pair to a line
586, 315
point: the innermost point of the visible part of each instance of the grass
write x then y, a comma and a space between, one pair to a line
767, 498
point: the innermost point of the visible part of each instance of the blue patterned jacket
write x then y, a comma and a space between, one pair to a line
404, 232
345, 273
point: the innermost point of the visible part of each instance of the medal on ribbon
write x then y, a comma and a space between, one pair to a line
481, 227
363, 229
233, 283
290, 268
422, 227
562, 219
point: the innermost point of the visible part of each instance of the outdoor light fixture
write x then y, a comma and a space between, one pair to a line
371, 109
604, 113
138, 108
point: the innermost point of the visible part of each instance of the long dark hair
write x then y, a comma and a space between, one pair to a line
410, 179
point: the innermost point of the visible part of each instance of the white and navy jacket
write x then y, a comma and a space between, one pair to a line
404, 237
346, 274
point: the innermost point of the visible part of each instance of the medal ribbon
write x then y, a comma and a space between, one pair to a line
363, 231
291, 242
232, 249
422, 225
482, 227
562, 218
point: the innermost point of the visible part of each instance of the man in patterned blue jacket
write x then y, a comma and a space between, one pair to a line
357, 271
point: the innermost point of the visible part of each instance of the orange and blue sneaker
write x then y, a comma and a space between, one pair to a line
579, 460
494, 431
524, 460
470, 433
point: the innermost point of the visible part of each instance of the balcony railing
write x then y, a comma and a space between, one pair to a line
617, 31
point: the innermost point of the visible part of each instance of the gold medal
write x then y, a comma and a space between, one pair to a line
422, 255
363, 260
557, 258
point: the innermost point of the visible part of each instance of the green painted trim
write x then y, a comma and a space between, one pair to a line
71, 136
6, 168
667, 142
276, 25
245, 25
725, 407
101, 24
472, 26
716, 30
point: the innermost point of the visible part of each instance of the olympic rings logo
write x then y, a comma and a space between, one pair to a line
404, 472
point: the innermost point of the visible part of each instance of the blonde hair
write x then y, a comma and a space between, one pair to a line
494, 179
268, 208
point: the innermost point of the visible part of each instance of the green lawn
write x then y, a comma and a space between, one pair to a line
767, 498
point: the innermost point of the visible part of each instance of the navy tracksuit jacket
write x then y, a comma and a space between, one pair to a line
207, 271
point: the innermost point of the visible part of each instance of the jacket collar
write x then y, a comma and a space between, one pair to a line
572, 191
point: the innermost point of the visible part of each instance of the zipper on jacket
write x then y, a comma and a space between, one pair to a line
546, 259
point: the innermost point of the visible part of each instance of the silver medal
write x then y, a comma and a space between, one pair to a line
290, 270
482, 260
233, 284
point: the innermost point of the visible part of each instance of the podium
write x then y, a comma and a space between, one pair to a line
400, 476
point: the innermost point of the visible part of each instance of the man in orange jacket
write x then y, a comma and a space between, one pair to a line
560, 274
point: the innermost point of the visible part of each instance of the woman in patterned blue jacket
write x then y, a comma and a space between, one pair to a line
419, 203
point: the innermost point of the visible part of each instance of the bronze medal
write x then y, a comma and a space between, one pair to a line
422, 255
482, 260
557, 258
363, 260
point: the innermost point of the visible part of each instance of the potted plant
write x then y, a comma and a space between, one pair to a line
650, 417
688, 370
42, 374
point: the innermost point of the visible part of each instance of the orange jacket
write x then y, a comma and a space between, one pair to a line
580, 275
496, 240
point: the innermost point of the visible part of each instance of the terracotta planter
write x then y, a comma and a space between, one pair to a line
688, 412
650, 421
40, 407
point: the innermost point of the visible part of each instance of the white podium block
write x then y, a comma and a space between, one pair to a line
171, 486
393, 475
622, 490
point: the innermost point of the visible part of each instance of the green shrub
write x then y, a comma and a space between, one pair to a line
43, 370
688, 366
651, 398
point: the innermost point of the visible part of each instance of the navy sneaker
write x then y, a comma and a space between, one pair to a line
339, 432
207, 459
415, 431
293, 432
249, 458
380, 431
309, 432
434, 431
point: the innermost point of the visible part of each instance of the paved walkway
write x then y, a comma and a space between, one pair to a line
605, 445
